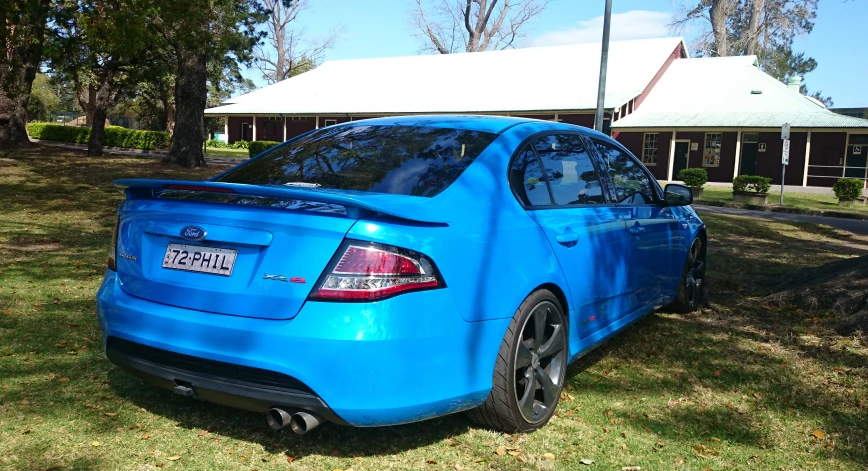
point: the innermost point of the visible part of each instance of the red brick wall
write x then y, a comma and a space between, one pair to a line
235, 127
339, 119
585, 120
297, 128
268, 130
827, 148
635, 141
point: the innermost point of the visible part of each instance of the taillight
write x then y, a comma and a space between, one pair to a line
369, 272
112, 260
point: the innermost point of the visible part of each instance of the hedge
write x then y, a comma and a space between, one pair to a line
751, 183
693, 177
848, 189
258, 147
113, 136
56, 132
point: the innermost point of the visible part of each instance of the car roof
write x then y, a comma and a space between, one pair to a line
482, 123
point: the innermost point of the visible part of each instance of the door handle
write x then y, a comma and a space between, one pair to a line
568, 238
636, 229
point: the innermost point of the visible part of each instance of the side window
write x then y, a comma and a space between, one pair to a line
527, 181
630, 181
569, 169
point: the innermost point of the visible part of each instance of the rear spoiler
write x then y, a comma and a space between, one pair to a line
412, 208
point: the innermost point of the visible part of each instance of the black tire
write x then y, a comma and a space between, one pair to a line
524, 361
692, 288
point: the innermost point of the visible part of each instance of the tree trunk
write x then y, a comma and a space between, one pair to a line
168, 99
87, 104
19, 61
756, 11
190, 97
14, 96
100, 110
718, 27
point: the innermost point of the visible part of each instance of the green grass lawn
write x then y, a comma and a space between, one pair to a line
212, 152
741, 384
792, 200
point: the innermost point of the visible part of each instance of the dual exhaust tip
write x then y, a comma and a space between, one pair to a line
300, 422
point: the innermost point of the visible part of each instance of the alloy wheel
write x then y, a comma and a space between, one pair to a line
540, 360
695, 273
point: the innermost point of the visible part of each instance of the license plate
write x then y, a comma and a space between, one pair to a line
199, 259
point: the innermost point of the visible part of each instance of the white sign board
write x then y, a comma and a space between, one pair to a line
785, 132
857, 150
785, 158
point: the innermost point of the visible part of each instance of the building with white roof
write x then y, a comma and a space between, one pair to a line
673, 112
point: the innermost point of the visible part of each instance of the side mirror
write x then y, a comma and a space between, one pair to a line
678, 195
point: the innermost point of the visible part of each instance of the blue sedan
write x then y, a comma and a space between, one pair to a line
391, 270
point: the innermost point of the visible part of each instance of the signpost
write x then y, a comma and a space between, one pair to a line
785, 156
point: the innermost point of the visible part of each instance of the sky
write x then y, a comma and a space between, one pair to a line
382, 28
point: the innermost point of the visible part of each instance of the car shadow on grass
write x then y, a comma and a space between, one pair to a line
326, 440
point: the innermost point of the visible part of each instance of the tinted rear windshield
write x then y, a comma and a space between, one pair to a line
401, 160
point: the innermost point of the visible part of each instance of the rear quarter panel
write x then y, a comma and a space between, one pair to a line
491, 253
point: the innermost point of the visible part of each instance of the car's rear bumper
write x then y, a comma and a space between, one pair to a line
405, 359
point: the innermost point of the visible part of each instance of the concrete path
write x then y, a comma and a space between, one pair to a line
852, 225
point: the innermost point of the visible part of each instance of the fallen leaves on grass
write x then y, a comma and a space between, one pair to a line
94, 443
290, 459
111, 414
549, 456
819, 434
586, 461
174, 458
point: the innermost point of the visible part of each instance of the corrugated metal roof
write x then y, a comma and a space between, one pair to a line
719, 92
531, 79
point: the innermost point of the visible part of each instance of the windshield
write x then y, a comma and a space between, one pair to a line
401, 160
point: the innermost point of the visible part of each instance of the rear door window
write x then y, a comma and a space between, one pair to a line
527, 179
569, 170
403, 160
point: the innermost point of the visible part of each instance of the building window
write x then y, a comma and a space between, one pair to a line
649, 150
711, 156
275, 118
302, 118
330, 122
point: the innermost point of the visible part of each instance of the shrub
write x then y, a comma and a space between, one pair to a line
113, 136
56, 132
848, 189
240, 145
258, 147
693, 177
216, 144
116, 136
751, 183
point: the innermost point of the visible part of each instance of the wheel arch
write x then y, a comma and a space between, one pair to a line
558, 292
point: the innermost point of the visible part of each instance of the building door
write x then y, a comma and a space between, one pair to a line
749, 148
682, 150
857, 156
245, 132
